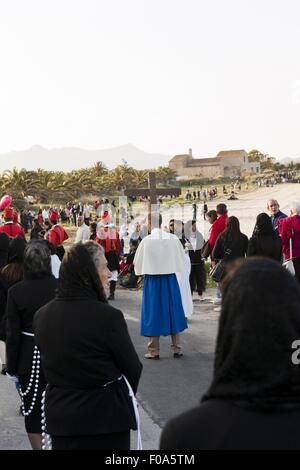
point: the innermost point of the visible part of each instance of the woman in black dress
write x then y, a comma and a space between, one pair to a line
265, 241
253, 402
86, 351
4, 245
24, 299
231, 240
10, 274
195, 243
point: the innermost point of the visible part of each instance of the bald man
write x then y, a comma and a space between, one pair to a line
275, 213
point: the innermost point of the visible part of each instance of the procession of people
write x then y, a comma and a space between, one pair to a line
69, 352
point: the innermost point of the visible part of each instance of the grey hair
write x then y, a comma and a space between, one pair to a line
96, 252
37, 259
295, 207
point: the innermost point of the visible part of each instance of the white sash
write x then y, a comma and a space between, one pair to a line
139, 445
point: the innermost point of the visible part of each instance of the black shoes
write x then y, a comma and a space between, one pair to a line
149, 356
177, 355
111, 297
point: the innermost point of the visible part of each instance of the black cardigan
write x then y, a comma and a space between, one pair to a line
238, 248
265, 245
24, 299
85, 344
220, 425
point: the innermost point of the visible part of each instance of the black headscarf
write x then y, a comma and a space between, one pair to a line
4, 245
259, 322
78, 276
16, 249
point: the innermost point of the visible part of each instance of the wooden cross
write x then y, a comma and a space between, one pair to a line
153, 191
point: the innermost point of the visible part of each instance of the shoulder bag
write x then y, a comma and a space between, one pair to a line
217, 271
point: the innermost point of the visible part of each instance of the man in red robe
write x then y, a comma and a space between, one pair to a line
108, 238
57, 235
11, 228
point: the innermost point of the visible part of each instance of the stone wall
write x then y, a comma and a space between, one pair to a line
209, 171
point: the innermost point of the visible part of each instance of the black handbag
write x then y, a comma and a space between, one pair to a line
217, 271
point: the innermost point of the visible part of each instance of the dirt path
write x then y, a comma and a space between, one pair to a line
246, 208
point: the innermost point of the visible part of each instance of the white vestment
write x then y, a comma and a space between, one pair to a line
183, 280
159, 253
82, 234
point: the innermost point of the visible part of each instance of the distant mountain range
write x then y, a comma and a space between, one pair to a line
286, 161
73, 158
69, 158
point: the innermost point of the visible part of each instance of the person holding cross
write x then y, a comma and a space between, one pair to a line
152, 192
159, 257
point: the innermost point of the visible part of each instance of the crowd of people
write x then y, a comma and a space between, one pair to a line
276, 178
71, 357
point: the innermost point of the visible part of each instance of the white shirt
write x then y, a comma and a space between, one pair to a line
193, 241
82, 234
87, 212
45, 214
55, 265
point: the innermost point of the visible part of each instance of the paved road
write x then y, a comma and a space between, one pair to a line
168, 386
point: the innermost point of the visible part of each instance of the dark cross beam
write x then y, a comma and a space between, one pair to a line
153, 191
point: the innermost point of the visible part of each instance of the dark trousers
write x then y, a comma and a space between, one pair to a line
198, 278
113, 441
296, 263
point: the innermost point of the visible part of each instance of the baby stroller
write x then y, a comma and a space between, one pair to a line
127, 275
123, 268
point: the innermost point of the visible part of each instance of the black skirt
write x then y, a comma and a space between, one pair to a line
112, 261
33, 420
113, 441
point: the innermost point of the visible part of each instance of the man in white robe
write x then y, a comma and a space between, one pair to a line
158, 258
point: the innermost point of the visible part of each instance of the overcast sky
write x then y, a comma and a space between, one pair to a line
164, 75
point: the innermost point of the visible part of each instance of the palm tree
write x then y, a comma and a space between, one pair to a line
164, 174
19, 183
99, 169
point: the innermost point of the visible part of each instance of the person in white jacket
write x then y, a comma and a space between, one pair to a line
83, 231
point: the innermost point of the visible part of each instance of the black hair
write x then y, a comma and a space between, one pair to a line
221, 209
155, 219
212, 214
37, 260
232, 231
263, 225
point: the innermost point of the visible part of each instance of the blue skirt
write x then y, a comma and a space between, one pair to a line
162, 310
